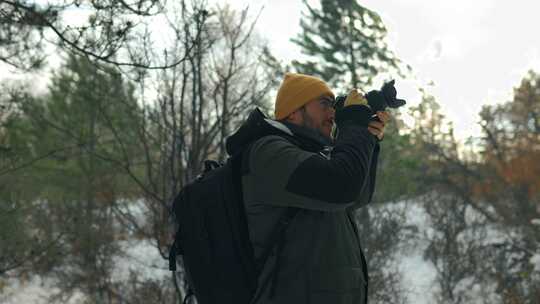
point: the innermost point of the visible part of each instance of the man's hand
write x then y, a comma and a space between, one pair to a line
356, 97
377, 127
353, 108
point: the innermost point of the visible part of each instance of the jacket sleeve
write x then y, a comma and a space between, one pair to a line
285, 175
366, 192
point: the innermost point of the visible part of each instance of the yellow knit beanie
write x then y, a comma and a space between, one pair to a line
296, 90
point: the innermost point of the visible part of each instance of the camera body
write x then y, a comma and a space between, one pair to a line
378, 100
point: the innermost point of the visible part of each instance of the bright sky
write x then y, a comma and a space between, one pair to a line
474, 51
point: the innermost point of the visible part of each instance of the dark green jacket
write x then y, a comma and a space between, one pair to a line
321, 259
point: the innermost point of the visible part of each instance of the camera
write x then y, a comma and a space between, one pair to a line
378, 100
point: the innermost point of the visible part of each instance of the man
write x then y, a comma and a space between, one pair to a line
318, 258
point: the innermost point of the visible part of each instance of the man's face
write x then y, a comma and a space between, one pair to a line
319, 114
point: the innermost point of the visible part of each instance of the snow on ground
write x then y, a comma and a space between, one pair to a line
418, 278
535, 260
142, 257
33, 291
418, 274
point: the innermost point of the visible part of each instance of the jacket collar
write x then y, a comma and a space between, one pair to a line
257, 125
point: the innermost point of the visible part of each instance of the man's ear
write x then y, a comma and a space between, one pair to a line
294, 117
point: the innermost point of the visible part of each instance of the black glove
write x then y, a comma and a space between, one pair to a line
353, 107
386, 97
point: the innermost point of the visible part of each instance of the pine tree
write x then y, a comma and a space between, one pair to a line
346, 44
61, 205
510, 185
92, 110
511, 152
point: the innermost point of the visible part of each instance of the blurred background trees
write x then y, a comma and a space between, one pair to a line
109, 31
89, 166
483, 207
510, 186
345, 43
95, 160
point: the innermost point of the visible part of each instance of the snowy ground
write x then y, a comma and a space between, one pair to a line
34, 291
418, 275
143, 258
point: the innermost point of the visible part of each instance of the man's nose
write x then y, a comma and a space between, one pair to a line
331, 113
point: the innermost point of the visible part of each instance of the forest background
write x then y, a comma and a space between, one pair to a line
146, 90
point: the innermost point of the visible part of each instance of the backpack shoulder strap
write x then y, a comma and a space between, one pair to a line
240, 167
276, 238
284, 221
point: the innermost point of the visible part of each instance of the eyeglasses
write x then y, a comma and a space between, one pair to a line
327, 103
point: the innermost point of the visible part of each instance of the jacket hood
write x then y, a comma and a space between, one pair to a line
257, 125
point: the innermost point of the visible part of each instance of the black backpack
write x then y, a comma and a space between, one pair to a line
213, 236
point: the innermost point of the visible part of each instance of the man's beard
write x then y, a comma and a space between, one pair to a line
308, 122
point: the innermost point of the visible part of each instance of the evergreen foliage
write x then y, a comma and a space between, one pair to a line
61, 204
346, 44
